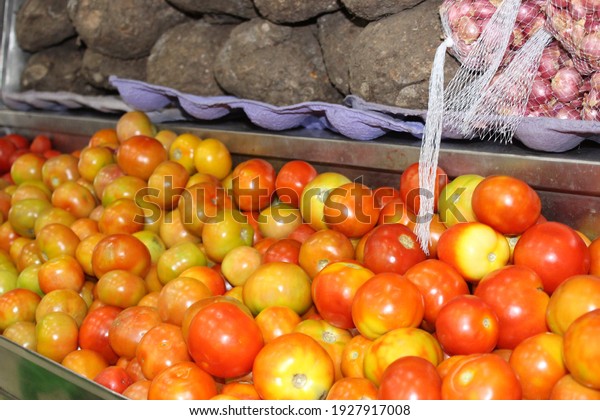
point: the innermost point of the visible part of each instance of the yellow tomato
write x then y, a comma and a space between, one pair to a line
212, 157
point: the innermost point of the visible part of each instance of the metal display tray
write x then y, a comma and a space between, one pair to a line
568, 183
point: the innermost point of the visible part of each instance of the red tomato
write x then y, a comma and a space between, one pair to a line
410, 190
473, 249
353, 356
507, 204
352, 389
114, 378
275, 321
7, 148
302, 232
17, 305
392, 248
293, 367
438, 282
410, 378
322, 248
538, 363
582, 349
182, 381
121, 251
62, 272
178, 295
285, 250
574, 297
385, 194
515, 293
334, 288
467, 325
18, 140
481, 377
567, 388
87, 363
555, 251
94, 332
223, 340
351, 209
40, 144
396, 211
291, 180
253, 184
594, 248
160, 348
384, 302
128, 328
139, 155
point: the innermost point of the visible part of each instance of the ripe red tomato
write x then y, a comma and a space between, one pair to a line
322, 248
114, 378
392, 248
467, 325
17, 305
334, 288
275, 321
139, 155
7, 148
555, 251
410, 190
160, 348
410, 378
507, 204
481, 377
351, 209
384, 302
128, 328
538, 363
182, 381
515, 293
352, 389
293, 367
94, 332
594, 248
253, 182
567, 388
223, 340
291, 179
285, 250
18, 140
582, 349
438, 282
121, 251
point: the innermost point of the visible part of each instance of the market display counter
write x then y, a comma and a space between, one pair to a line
568, 184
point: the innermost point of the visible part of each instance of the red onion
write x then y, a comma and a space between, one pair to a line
562, 4
536, 24
566, 83
577, 9
457, 10
526, 13
517, 38
590, 46
590, 5
567, 112
541, 91
549, 63
590, 114
483, 9
595, 82
468, 30
592, 24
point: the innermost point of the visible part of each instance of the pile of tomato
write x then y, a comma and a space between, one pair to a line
152, 263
